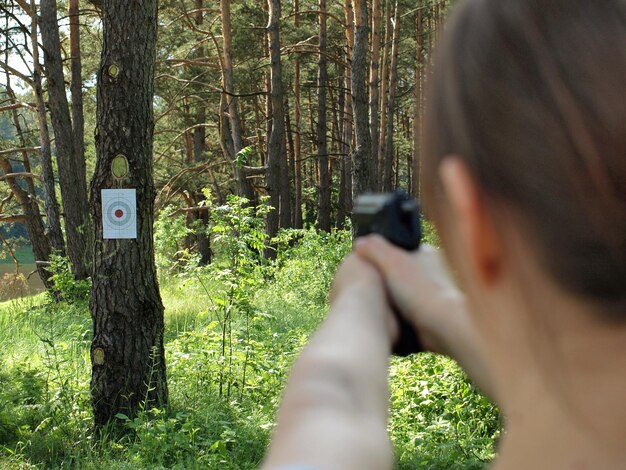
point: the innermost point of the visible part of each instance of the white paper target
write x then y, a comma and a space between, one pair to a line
119, 213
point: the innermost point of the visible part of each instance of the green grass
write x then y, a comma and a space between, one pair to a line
438, 420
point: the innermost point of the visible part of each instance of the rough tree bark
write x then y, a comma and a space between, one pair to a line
384, 95
361, 156
128, 363
323, 214
72, 171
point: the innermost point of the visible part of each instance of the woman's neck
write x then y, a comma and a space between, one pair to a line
569, 412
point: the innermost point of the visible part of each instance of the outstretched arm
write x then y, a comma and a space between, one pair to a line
334, 411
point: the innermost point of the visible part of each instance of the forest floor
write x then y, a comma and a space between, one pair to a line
224, 384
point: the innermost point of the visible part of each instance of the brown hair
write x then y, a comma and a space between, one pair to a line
532, 95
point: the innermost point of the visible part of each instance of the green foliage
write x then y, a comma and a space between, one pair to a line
169, 233
67, 287
429, 233
243, 156
438, 419
306, 263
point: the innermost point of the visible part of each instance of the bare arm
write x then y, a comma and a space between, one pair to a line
334, 411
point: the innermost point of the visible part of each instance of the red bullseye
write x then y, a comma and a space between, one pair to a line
119, 213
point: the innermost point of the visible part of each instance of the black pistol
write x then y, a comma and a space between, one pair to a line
395, 216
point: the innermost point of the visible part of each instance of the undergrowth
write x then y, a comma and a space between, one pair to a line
233, 328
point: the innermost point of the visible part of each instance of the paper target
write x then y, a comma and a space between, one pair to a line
119, 213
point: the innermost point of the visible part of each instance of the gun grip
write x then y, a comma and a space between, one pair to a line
408, 343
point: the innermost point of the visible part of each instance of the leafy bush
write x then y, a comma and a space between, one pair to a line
66, 286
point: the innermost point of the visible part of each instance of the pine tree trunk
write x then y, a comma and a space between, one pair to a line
388, 184
384, 95
244, 188
128, 362
72, 171
417, 103
375, 87
53, 216
276, 136
297, 152
347, 128
76, 87
323, 215
361, 157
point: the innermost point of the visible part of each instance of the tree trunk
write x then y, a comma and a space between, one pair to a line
72, 172
76, 87
53, 217
297, 154
361, 157
345, 195
417, 104
200, 219
285, 191
128, 361
375, 88
244, 188
391, 102
323, 215
276, 137
384, 95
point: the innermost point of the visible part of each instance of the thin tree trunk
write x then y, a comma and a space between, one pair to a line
201, 217
53, 217
391, 102
33, 223
285, 191
72, 171
361, 157
276, 136
345, 198
417, 103
243, 184
375, 87
76, 87
297, 153
292, 158
323, 215
128, 360
384, 93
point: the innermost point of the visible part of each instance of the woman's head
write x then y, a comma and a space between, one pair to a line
531, 94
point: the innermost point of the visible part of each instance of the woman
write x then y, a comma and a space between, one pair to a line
525, 178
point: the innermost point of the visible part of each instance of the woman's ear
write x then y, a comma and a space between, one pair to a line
475, 231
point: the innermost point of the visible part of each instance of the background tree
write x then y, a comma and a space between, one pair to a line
71, 164
323, 216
